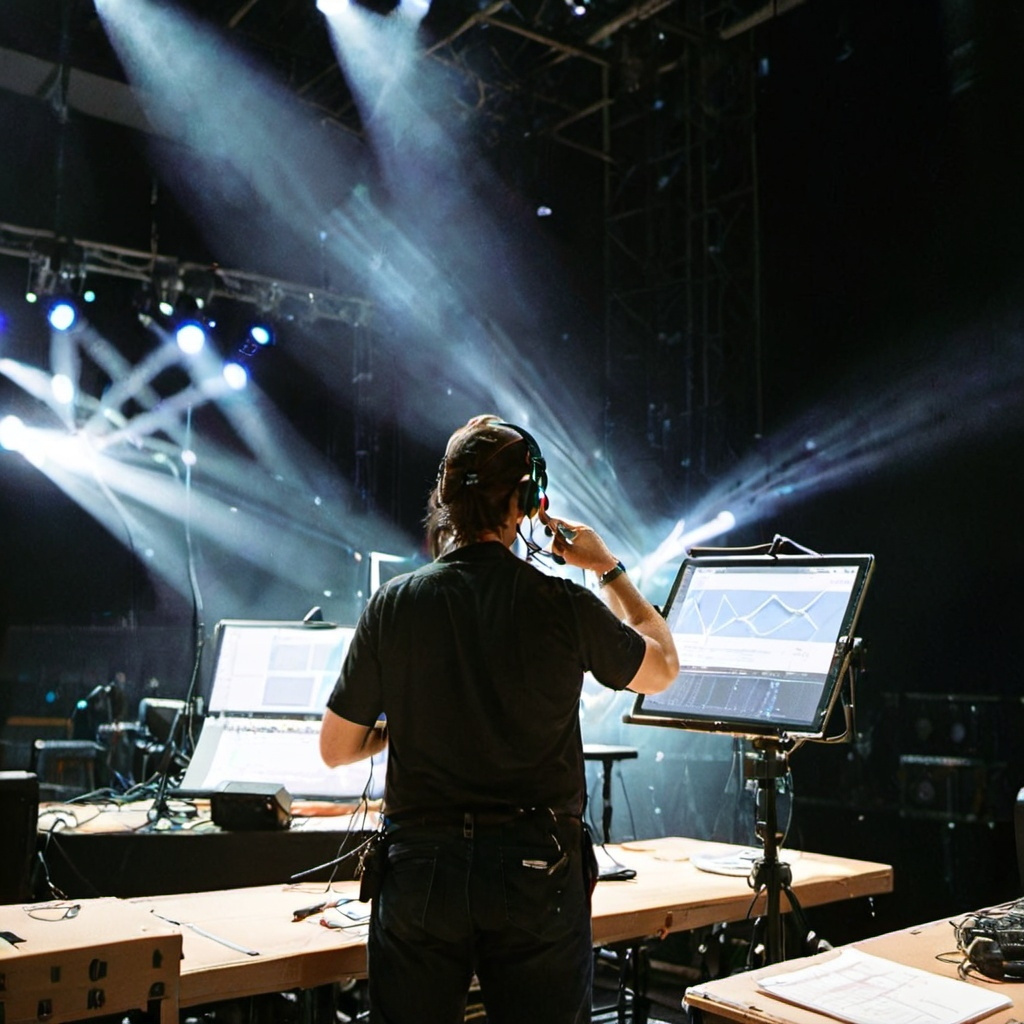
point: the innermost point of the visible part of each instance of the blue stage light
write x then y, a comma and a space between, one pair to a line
62, 315
235, 375
191, 337
261, 334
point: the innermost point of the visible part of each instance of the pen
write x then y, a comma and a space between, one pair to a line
303, 912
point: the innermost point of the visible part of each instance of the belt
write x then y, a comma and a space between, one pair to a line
470, 821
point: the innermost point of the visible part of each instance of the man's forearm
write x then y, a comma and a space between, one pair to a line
623, 597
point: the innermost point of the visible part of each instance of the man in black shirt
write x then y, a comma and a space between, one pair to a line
470, 671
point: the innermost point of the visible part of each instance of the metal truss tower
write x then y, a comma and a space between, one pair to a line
681, 247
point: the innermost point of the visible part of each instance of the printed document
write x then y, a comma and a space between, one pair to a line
864, 989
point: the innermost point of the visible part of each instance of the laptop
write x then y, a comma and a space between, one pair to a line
269, 687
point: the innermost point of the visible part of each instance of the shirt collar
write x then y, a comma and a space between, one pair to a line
484, 551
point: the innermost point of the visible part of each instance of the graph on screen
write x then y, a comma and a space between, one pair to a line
762, 641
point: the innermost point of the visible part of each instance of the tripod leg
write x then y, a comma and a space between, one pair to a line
755, 953
810, 941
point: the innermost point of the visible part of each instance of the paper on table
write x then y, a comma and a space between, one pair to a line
736, 860
865, 989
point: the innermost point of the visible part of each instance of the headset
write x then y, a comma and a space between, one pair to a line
533, 490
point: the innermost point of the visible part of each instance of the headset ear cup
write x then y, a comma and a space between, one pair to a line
528, 497
532, 497
531, 492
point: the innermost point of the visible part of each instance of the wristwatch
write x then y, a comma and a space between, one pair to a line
613, 573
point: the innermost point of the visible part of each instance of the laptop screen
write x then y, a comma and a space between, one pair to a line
268, 691
763, 643
286, 669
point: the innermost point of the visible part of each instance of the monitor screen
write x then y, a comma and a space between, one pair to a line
763, 643
276, 668
159, 715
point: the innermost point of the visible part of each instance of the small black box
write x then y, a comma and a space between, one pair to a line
250, 806
19, 809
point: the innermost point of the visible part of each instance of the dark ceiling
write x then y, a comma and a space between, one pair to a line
511, 58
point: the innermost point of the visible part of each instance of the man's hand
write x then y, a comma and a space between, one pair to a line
579, 545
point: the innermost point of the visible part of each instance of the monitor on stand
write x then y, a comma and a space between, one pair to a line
765, 642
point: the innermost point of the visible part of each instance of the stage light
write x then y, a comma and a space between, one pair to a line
261, 334
414, 10
722, 523
331, 6
191, 337
167, 286
62, 315
235, 376
41, 278
12, 433
63, 389
199, 285
58, 270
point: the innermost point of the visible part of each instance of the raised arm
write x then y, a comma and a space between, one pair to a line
583, 547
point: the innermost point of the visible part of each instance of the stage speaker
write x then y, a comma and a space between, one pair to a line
251, 806
19, 807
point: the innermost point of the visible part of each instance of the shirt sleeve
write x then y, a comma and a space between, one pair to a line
612, 650
357, 695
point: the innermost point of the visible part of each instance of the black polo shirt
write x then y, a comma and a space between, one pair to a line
477, 661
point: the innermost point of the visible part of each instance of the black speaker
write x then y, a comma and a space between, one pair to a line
251, 806
19, 807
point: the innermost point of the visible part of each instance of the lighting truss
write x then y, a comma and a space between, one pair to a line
267, 294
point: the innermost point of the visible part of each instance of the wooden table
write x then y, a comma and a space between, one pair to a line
284, 954
667, 895
929, 947
670, 894
244, 942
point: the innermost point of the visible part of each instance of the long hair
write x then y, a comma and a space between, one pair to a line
484, 464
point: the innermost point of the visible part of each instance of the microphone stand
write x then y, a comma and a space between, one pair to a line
159, 811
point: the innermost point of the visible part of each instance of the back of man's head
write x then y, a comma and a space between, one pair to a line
484, 464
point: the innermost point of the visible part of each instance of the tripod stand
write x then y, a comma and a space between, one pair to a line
769, 875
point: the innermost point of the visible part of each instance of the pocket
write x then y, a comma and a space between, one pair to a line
423, 892
545, 903
405, 888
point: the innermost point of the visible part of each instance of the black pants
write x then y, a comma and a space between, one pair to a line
509, 902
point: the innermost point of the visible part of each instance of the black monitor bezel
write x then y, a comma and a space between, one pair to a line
744, 727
